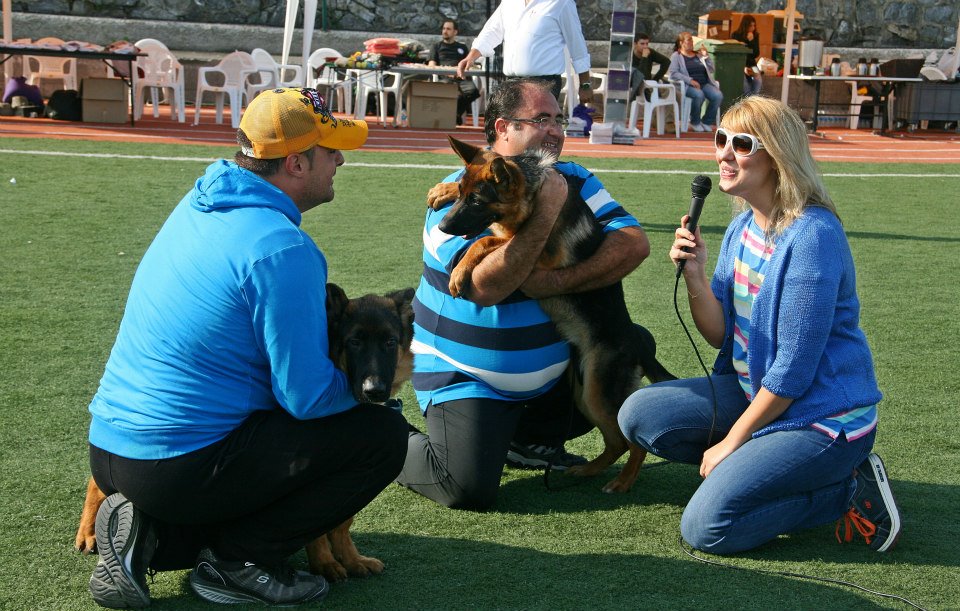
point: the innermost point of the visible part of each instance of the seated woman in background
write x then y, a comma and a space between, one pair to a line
789, 445
695, 69
748, 35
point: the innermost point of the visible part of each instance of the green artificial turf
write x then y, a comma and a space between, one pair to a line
74, 226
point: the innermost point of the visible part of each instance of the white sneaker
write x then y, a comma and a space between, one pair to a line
709, 128
697, 127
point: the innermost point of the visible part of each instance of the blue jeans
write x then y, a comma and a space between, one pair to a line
714, 98
775, 484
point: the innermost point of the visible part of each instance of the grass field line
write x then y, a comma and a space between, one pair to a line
424, 166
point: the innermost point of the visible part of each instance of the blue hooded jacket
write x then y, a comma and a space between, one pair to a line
226, 316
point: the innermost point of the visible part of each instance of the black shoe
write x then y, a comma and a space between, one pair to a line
126, 542
533, 456
222, 581
873, 512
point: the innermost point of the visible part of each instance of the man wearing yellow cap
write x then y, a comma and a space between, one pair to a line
222, 433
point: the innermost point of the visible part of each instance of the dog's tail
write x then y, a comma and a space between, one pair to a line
653, 369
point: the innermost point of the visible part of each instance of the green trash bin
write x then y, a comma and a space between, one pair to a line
729, 58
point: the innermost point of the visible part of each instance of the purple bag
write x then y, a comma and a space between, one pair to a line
17, 85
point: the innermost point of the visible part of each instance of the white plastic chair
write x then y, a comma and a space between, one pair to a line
39, 68
601, 88
685, 104
375, 82
857, 100
162, 73
233, 72
662, 96
283, 75
325, 79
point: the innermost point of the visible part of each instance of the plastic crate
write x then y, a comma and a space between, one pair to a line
917, 102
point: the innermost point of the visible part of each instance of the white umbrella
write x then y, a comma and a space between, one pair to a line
309, 19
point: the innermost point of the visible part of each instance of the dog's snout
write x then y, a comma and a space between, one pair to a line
375, 389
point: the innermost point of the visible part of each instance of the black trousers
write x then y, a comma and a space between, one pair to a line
460, 462
468, 93
265, 490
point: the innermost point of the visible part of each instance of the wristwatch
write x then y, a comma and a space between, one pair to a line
586, 86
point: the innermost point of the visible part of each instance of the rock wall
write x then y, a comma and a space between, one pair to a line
891, 24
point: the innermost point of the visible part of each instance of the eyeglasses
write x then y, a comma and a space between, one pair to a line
743, 145
543, 122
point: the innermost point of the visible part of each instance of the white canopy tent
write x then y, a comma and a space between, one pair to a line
7, 21
309, 19
7, 30
789, 19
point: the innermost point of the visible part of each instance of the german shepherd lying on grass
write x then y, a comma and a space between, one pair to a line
614, 353
370, 342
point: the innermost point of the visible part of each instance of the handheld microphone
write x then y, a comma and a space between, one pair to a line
699, 188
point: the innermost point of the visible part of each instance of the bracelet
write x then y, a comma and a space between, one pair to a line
691, 296
586, 86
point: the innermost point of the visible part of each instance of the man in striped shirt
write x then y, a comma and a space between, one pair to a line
488, 372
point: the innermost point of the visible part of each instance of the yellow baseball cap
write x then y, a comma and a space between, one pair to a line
280, 122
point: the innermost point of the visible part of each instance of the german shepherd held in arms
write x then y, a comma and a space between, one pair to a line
498, 193
370, 342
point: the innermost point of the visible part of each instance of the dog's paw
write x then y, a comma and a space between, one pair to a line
364, 566
617, 486
459, 282
331, 570
442, 193
86, 543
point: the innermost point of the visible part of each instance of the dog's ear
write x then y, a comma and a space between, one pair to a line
404, 302
502, 171
336, 304
465, 151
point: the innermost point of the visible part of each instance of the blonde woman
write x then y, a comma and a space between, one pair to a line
796, 408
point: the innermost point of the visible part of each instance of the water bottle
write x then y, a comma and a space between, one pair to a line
874, 68
403, 117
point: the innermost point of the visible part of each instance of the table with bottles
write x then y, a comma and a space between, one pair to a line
886, 83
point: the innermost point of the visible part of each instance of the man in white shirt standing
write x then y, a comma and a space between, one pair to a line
534, 34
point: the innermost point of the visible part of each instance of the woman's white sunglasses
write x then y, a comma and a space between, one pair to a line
743, 145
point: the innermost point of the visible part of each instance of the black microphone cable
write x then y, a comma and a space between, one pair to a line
713, 391
841, 582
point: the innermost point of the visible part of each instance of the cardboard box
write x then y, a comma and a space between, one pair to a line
104, 100
715, 25
765, 27
432, 105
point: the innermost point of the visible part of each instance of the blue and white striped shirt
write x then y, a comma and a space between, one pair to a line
510, 351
